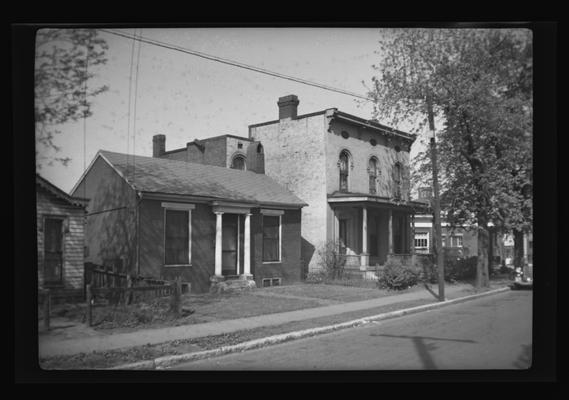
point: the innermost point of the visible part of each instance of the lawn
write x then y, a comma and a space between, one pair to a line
202, 308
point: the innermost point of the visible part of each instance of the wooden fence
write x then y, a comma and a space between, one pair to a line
104, 286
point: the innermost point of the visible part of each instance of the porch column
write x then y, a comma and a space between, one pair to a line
218, 219
247, 248
390, 231
365, 255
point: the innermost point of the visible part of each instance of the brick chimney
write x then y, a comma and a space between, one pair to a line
158, 145
288, 106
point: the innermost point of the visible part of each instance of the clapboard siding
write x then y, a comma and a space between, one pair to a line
48, 205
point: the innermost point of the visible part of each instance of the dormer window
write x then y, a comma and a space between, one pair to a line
343, 164
373, 172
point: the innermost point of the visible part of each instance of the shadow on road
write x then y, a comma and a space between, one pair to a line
423, 348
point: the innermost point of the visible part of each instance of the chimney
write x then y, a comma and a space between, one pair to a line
288, 106
158, 145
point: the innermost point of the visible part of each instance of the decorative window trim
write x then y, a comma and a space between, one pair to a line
268, 212
178, 207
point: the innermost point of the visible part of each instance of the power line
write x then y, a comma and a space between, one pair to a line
236, 64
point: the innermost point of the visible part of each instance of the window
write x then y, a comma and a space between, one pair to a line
422, 240
53, 251
177, 234
271, 238
271, 282
238, 162
372, 171
456, 241
343, 163
345, 134
397, 180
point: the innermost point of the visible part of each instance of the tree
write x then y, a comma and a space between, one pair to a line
64, 63
479, 82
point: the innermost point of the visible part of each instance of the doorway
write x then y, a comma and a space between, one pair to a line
232, 244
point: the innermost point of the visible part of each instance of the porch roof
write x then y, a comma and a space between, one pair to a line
338, 198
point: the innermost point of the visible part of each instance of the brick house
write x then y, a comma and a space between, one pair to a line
60, 240
353, 173
165, 217
461, 242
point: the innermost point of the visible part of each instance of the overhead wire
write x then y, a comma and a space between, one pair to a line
235, 63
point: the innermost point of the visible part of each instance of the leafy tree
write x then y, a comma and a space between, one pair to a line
64, 63
479, 82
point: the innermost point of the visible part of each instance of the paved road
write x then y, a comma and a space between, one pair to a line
494, 332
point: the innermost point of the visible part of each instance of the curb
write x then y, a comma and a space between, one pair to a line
167, 361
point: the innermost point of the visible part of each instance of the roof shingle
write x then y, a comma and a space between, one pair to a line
159, 175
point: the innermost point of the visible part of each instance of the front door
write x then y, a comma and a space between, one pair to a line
229, 245
53, 251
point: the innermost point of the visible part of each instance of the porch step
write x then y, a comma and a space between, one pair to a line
236, 284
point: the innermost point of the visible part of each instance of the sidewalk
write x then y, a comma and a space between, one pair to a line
49, 346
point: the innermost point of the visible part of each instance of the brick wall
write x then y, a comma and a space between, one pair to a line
295, 158
289, 269
361, 150
73, 239
152, 245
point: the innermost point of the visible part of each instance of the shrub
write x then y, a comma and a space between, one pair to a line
331, 261
396, 276
316, 276
461, 269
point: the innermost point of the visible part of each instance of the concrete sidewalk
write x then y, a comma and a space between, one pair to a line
52, 347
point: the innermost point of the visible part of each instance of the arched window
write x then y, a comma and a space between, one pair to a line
344, 164
397, 176
372, 171
238, 162
260, 148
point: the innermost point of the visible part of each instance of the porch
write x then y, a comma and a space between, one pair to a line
369, 232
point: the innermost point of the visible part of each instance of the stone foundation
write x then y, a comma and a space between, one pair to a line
222, 285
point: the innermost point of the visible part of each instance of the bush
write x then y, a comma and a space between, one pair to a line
462, 269
316, 277
396, 276
331, 261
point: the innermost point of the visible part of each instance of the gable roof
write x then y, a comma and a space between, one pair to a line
165, 176
57, 192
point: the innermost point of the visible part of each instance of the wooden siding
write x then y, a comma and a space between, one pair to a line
110, 234
47, 205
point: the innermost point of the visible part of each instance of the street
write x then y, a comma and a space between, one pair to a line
493, 332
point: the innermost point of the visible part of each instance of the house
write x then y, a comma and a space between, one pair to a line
462, 242
353, 173
228, 151
166, 217
60, 241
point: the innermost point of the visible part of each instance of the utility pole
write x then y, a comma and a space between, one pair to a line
439, 256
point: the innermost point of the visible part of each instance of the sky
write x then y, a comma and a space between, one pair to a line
186, 97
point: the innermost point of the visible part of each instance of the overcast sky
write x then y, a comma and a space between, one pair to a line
186, 97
